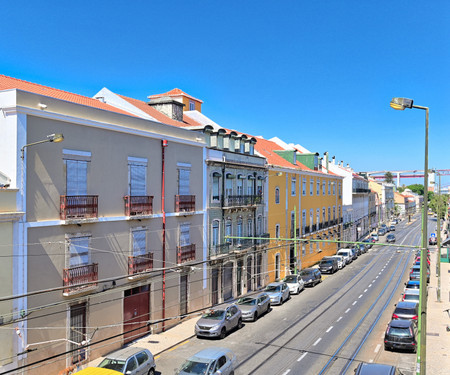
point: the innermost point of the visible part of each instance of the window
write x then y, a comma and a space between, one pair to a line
184, 181
329, 187
228, 230
250, 228
185, 238
215, 233
229, 185
334, 188
334, 212
191, 105
303, 249
303, 220
139, 238
78, 323
329, 213
304, 187
317, 218
221, 362
141, 357
79, 251
277, 231
131, 365
318, 187
323, 215
259, 230
137, 176
76, 173
311, 217
277, 266
216, 187
251, 185
239, 230
277, 195
293, 186
311, 186
240, 186
340, 190
324, 183
259, 189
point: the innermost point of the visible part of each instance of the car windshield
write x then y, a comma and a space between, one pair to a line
306, 273
273, 288
411, 297
290, 279
112, 364
404, 311
247, 301
412, 286
328, 261
402, 332
194, 367
214, 314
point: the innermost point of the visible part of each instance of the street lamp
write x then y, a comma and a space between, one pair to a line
50, 138
401, 104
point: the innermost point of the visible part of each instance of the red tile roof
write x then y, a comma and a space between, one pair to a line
143, 106
8, 83
174, 92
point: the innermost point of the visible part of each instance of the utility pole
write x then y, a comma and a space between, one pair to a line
438, 262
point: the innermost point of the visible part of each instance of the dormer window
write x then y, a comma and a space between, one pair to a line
220, 141
191, 105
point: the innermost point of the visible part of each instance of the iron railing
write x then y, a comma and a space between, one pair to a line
242, 200
220, 249
78, 206
184, 203
185, 253
138, 205
74, 276
140, 263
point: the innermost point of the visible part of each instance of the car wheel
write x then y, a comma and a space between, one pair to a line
268, 308
151, 371
223, 333
255, 316
239, 326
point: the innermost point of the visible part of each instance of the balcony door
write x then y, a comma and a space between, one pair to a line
137, 177
184, 181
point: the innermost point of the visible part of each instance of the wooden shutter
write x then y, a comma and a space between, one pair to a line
76, 177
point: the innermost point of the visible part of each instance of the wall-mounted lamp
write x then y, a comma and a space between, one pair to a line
42, 106
56, 137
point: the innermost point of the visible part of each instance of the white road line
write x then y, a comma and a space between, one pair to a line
339, 319
346, 311
379, 273
365, 290
373, 281
285, 319
287, 371
360, 296
354, 303
370, 285
376, 277
329, 329
302, 356
317, 341
377, 348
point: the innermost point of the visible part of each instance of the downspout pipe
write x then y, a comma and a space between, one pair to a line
164, 144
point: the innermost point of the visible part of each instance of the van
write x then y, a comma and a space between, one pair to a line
346, 253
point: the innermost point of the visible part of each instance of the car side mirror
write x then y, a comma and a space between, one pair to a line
218, 372
128, 372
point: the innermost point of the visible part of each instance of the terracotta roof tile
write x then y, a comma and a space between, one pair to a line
8, 83
174, 92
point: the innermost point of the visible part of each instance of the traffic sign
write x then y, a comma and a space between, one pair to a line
433, 235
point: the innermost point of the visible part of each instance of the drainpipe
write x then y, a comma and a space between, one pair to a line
164, 144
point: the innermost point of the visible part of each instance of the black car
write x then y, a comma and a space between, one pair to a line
401, 334
328, 264
311, 276
390, 238
368, 243
392, 228
375, 369
406, 311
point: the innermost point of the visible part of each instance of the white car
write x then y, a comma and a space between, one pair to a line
295, 283
341, 261
347, 254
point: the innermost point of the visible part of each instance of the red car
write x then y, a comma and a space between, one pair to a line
418, 260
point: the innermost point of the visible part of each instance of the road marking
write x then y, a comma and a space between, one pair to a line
287, 371
379, 273
329, 329
177, 346
354, 303
302, 356
377, 348
365, 290
373, 281
370, 285
376, 277
360, 296
346, 311
317, 341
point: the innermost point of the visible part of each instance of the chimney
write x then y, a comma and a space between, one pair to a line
333, 160
169, 107
326, 160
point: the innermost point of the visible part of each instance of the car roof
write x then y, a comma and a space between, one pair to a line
401, 323
211, 353
414, 282
375, 369
125, 353
406, 305
412, 291
276, 283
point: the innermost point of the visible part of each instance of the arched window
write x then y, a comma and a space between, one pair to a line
277, 266
277, 195
215, 233
277, 231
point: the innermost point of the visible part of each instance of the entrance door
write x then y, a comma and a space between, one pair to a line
240, 264
183, 294
249, 274
215, 286
136, 312
227, 281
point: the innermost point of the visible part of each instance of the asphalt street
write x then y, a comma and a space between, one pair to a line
327, 329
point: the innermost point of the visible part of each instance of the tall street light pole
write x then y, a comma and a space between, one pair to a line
401, 104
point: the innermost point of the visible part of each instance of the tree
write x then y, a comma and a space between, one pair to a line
441, 201
416, 188
388, 178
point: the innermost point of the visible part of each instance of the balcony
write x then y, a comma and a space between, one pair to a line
245, 244
73, 277
185, 253
242, 200
78, 207
313, 228
263, 240
138, 205
216, 250
305, 230
140, 263
184, 203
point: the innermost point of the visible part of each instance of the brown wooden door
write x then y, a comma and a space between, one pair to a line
136, 312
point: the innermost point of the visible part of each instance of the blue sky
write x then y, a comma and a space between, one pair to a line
319, 73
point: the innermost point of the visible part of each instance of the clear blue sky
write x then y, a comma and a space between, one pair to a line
319, 73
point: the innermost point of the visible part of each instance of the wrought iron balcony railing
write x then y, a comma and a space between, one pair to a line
138, 205
185, 253
78, 206
140, 263
74, 276
220, 249
184, 203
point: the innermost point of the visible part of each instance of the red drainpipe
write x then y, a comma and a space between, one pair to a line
164, 144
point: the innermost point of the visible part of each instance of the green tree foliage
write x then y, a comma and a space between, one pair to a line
388, 178
416, 188
440, 202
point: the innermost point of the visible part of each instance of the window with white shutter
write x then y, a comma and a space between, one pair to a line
139, 242
137, 177
183, 181
76, 177
185, 239
79, 251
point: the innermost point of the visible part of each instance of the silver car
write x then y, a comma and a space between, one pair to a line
278, 293
253, 307
295, 283
131, 361
218, 321
209, 361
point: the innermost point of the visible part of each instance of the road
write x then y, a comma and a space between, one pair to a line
327, 329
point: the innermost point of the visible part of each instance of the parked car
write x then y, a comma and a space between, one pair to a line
368, 242
295, 283
341, 261
375, 237
362, 248
131, 361
415, 273
418, 259
219, 321
376, 369
252, 307
406, 310
417, 263
347, 254
381, 232
390, 238
411, 295
412, 284
401, 334
328, 264
356, 250
392, 228
311, 276
354, 253
278, 293
432, 241
209, 361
